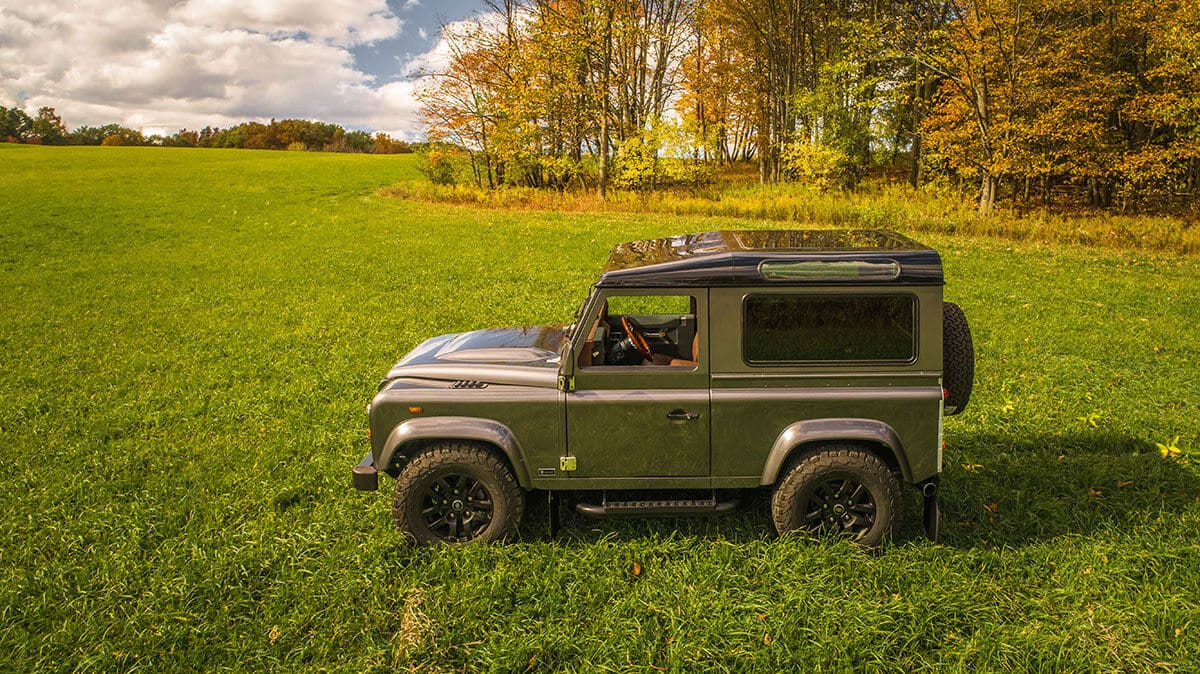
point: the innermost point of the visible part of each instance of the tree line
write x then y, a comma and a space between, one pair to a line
1021, 99
48, 128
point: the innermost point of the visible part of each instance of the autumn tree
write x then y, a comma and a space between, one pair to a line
1057, 91
718, 94
1158, 118
95, 135
1020, 95
771, 37
48, 127
458, 103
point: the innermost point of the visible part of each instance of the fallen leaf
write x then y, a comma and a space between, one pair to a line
1170, 449
993, 507
762, 617
1094, 492
972, 467
1124, 483
1087, 570
274, 633
1178, 631
1061, 457
767, 639
896, 596
637, 569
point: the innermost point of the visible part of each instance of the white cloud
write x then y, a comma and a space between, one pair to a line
163, 64
424, 35
463, 32
344, 22
411, 4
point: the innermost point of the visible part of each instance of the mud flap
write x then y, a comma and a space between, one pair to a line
552, 500
932, 516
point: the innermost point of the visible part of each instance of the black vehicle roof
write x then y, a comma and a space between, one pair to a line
734, 257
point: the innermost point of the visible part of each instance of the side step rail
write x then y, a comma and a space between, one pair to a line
640, 508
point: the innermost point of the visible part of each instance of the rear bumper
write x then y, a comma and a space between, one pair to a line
364, 476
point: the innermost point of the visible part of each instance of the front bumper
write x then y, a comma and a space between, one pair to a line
364, 476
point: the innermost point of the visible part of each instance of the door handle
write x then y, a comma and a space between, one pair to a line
682, 415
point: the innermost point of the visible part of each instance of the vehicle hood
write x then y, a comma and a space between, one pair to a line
522, 356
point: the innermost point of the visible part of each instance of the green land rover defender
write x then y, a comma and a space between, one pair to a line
814, 364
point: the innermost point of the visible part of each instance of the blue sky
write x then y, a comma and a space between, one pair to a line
422, 18
161, 65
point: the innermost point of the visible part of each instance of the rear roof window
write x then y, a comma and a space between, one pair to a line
828, 270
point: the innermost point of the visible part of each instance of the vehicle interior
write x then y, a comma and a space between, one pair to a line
647, 330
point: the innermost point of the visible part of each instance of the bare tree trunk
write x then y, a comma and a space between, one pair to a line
914, 170
987, 193
604, 84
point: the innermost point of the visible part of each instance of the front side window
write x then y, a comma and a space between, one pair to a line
640, 330
829, 328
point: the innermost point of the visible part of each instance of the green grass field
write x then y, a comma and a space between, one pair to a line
189, 338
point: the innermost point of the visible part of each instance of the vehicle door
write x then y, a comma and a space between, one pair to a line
639, 414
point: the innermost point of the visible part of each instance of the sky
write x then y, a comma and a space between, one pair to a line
162, 65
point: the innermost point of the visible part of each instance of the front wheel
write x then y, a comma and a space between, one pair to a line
839, 490
456, 492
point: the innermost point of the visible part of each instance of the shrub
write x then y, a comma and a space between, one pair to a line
635, 166
661, 157
440, 165
818, 164
112, 141
297, 146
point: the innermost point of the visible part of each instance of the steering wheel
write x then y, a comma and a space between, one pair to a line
638, 339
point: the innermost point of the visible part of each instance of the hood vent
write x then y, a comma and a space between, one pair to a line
467, 383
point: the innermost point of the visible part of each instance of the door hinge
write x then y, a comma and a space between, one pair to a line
566, 463
566, 384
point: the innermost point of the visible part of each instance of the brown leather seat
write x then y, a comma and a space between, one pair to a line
678, 362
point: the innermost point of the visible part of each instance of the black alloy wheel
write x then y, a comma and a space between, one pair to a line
457, 492
456, 508
838, 489
840, 506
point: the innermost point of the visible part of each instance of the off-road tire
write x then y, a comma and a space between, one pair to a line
796, 495
958, 358
439, 468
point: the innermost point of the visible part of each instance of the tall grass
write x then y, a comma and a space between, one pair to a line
188, 339
889, 206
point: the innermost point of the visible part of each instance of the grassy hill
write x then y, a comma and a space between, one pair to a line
189, 337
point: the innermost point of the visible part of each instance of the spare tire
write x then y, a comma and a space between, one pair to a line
958, 358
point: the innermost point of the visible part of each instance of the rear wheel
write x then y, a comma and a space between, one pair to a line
456, 492
839, 491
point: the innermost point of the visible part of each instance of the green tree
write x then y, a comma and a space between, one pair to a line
182, 138
48, 127
15, 125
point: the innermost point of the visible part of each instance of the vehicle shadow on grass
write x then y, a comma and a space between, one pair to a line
1008, 490
997, 491
749, 522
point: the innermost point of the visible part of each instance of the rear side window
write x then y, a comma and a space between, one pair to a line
829, 328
